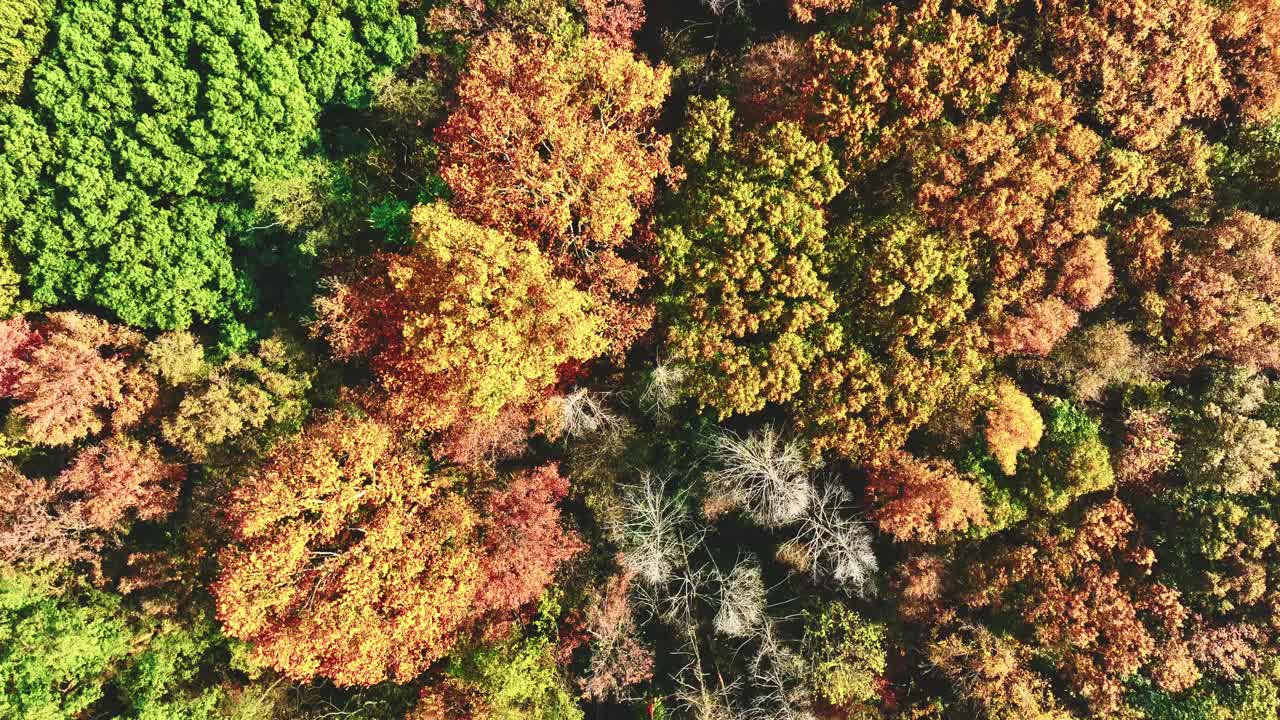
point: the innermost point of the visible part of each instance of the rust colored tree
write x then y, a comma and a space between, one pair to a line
350, 561
1222, 296
922, 500
84, 376
1026, 185
524, 543
1145, 68
1087, 597
556, 146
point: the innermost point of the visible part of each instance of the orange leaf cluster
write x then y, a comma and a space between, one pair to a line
555, 146
922, 499
1028, 183
353, 563
1146, 67
1087, 596
1013, 425
1223, 292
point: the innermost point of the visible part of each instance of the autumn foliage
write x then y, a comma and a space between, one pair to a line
555, 146
354, 563
467, 326
922, 500
703, 360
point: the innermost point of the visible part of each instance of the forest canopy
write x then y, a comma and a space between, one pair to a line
640, 359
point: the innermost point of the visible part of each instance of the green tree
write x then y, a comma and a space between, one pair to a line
23, 25
55, 649
1071, 461
743, 251
846, 655
123, 181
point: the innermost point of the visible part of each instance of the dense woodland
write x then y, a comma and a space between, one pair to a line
625, 360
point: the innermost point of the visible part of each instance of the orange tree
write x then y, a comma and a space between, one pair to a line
555, 145
471, 323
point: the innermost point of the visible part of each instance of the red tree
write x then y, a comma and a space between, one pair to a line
86, 374
921, 499
524, 543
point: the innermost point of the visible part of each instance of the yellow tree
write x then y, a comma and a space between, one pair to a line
556, 146
350, 561
471, 323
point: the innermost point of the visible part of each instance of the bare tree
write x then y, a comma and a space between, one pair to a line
700, 697
777, 674
652, 530
722, 7
742, 599
838, 546
583, 412
767, 476
663, 390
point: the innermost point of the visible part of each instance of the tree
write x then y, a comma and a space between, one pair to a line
875, 84
767, 477
835, 545
846, 655
121, 180
108, 485
17, 339
350, 561
340, 46
992, 672
805, 11
1149, 449
1013, 425
1026, 185
241, 404
1246, 173
911, 342
741, 604
1086, 596
469, 323
23, 26
1071, 460
1249, 41
518, 679
1144, 70
523, 542
1228, 446
83, 376
615, 21
1096, 358
619, 659
743, 252
554, 145
1221, 298
921, 500
87, 506
57, 649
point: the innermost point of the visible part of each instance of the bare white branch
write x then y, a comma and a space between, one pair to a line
654, 543
838, 547
583, 412
664, 388
767, 476
742, 600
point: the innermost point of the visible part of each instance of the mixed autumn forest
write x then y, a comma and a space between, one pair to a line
627, 360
